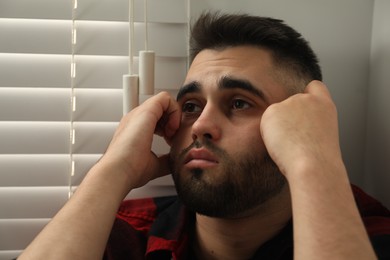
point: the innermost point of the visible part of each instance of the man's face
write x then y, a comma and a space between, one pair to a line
220, 165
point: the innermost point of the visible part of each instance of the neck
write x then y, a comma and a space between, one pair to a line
239, 238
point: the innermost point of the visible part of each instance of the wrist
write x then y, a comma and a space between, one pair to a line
309, 170
112, 178
318, 179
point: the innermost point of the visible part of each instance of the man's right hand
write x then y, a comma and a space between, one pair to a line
130, 148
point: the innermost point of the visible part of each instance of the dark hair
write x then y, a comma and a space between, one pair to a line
297, 63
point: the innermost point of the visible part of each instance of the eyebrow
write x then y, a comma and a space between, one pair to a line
226, 82
192, 87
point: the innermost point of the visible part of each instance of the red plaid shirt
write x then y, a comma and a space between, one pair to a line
160, 228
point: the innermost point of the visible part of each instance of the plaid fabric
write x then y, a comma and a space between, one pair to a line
160, 228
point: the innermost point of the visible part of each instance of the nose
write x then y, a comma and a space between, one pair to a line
208, 125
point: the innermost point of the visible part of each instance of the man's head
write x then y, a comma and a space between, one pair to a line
295, 61
221, 167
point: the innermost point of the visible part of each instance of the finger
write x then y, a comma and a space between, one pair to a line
168, 124
169, 121
174, 118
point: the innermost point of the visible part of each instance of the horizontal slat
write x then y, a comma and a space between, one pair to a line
53, 104
93, 37
38, 70
174, 11
93, 137
43, 169
16, 234
26, 70
35, 104
34, 137
98, 105
51, 170
60, 9
102, 38
35, 170
31, 202
35, 36
44, 202
53, 138
9, 254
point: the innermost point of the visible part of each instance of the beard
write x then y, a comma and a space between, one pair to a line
240, 184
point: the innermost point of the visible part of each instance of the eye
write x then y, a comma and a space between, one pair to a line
240, 104
191, 107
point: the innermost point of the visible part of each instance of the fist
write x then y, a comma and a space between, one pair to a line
302, 130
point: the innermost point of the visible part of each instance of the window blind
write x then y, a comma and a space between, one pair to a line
36, 116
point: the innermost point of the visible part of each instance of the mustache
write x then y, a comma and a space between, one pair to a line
266, 159
199, 144
180, 157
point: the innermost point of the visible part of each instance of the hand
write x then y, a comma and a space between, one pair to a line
301, 136
302, 129
130, 148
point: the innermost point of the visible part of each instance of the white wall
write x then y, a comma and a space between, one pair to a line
377, 172
340, 33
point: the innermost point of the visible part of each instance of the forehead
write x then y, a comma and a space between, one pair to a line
237, 58
248, 63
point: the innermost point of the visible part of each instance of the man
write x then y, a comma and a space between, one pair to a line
254, 154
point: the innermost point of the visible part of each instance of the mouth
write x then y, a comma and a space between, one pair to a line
200, 158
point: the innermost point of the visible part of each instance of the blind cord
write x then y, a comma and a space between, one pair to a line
146, 25
130, 86
131, 37
72, 131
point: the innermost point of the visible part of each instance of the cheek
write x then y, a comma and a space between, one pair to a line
249, 140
